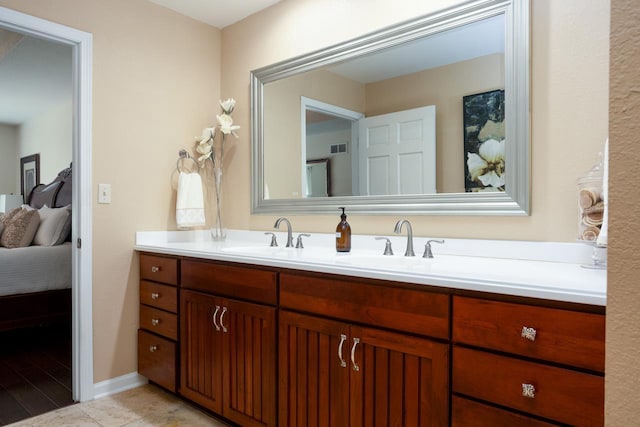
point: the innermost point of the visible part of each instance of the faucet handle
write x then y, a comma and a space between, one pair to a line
299, 240
427, 248
274, 242
387, 246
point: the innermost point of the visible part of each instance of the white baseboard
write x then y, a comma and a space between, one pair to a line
118, 384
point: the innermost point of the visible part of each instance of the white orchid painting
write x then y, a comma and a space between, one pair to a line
484, 141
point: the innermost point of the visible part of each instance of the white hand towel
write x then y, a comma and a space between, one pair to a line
190, 201
604, 231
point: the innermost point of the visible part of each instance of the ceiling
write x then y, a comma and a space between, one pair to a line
35, 76
474, 40
218, 13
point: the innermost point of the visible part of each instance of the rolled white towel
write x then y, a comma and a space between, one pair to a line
190, 201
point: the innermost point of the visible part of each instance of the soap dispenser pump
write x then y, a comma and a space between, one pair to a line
343, 234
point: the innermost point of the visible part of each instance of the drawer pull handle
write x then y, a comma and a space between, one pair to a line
155, 295
153, 348
528, 333
155, 269
529, 390
356, 341
343, 338
155, 322
215, 313
224, 328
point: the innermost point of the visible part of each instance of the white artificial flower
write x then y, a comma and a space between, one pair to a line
226, 125
207, 134
488, 165
228, 105
205, 149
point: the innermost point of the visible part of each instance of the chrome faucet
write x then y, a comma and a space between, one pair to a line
427, 248
289, 232
398, 229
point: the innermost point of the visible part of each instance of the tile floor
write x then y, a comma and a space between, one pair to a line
144, 406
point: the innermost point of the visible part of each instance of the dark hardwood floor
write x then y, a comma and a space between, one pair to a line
35, 371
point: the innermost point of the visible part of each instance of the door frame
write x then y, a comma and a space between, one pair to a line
332, 110
81, 237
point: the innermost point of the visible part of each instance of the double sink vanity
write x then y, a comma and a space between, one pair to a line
267, 336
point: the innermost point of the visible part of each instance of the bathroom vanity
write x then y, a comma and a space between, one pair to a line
278, 336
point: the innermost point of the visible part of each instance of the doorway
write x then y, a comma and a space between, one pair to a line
81, 291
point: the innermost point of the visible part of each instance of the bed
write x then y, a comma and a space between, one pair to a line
35, 281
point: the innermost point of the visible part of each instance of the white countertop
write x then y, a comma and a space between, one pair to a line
545, 270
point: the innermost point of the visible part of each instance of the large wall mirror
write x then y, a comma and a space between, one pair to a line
427, 117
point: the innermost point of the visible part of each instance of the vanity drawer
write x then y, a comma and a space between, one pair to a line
159, 322
159, 269
406, 310
469, 413
561, 336
563, 395
159, 296
157, 359
250, 284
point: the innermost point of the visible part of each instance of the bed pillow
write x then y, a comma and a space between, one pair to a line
65, 236
6, 217
51, 231
20, 229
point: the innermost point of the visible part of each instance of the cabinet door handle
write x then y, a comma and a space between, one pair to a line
155, 322
528, 390
155, 295
153, 348
528, 333
353, 354
214, 318
155, 269
224, 328
343, 338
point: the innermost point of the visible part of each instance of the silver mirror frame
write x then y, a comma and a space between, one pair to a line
515, 201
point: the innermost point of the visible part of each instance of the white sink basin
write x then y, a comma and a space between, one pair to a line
441, 264
280, 252
265, 250
385, 262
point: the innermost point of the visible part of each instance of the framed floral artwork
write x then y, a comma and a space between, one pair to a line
29, 174
484, 141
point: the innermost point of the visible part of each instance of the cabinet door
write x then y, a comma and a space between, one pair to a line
314, 384
397, 380
249, 363
201, 349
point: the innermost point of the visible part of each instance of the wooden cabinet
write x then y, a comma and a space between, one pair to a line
264, 346
158, 333
228, 346
546, 362
334, 372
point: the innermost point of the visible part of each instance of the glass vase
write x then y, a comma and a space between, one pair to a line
218, 232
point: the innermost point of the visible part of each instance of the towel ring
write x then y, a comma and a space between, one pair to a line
182, 156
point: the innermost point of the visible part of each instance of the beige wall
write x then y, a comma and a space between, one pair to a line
156, 84
443, 87
567, 36
623, 295
282, 104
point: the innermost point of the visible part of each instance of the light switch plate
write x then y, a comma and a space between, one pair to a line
104, 193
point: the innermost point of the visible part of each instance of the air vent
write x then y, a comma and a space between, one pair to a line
338, 148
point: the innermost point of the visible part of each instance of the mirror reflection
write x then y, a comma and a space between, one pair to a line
406, 116
364, 115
